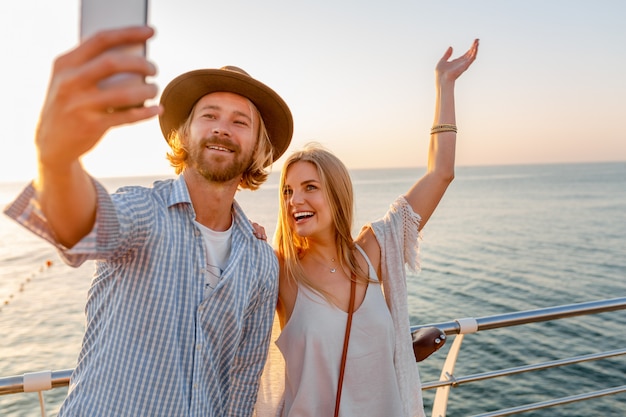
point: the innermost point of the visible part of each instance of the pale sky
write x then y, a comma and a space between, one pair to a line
548, 85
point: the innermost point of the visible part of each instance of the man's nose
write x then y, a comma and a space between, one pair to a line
220, 129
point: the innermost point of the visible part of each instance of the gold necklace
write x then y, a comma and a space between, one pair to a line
333, 270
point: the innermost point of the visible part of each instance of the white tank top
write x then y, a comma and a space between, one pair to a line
312, 343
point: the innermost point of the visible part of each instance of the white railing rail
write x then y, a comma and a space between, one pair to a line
464, 326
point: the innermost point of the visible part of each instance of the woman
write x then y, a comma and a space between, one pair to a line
320, 259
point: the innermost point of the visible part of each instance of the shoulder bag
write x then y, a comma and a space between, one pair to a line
346, 339
426, 341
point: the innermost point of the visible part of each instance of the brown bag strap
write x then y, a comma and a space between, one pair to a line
345, 344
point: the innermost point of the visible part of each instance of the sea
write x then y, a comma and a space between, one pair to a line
503, 239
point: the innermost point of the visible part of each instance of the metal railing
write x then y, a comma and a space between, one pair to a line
464, 326
42, 381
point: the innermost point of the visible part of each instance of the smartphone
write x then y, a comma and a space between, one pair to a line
97, 15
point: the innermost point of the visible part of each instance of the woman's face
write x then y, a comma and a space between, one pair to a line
305, 201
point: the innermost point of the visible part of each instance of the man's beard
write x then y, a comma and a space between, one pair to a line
218, 171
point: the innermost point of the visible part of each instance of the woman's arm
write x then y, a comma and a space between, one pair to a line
425, 194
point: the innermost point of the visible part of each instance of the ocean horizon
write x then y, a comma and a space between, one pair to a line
504, 238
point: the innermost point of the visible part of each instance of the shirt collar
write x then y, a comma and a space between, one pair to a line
180, 194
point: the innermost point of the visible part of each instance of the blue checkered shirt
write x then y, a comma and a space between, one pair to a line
155, 344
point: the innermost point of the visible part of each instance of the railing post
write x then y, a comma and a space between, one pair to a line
440, 405
38, 382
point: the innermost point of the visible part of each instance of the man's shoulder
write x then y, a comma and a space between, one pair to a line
157, 186
161, 190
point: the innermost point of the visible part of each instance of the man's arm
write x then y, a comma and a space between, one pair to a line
75, 115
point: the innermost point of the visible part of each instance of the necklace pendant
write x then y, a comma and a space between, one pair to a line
333, 270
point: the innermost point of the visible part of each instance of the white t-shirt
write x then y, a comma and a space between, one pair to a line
217, 248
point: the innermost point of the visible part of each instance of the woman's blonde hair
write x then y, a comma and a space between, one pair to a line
337, 188
252, 178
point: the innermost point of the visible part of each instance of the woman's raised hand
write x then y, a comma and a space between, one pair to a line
451, 70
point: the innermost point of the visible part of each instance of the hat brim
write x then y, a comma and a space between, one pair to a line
183, 92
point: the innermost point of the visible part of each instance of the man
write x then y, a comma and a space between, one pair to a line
181, 305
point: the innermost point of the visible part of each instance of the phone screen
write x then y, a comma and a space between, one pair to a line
97, 15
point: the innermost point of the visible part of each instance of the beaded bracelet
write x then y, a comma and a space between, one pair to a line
443, 128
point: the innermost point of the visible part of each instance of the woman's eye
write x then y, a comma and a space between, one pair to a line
311, 187
287, 192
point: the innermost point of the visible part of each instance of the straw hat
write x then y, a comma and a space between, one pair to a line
182, 93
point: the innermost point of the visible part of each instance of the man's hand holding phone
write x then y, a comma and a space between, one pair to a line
78, 111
